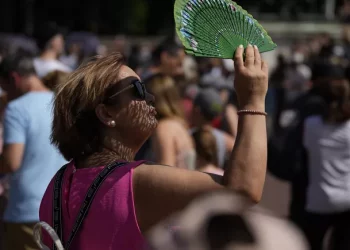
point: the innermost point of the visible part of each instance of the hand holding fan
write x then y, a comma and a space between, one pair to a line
215, 28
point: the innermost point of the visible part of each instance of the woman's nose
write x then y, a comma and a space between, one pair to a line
149, 98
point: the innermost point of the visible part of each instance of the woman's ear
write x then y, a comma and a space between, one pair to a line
104, 114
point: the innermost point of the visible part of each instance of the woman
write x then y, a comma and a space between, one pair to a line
206, 148
327, 141
171, 143
102, 116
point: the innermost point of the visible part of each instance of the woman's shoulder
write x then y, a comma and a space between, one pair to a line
171, 125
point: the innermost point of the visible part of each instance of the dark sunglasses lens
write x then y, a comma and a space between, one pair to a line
140, 90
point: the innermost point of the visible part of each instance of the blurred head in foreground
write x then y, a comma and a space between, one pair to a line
221, 221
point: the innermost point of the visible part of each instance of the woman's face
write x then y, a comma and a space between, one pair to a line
134, 117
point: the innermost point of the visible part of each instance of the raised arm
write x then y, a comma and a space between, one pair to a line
247, 169
160, 191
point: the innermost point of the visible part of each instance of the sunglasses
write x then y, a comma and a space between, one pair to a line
138, 87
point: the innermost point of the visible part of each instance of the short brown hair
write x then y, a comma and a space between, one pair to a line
75, 129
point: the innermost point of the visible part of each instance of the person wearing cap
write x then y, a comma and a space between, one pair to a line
228, 121
50, 41
208, 105
28, 157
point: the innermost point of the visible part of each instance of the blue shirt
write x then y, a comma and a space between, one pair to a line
28, 121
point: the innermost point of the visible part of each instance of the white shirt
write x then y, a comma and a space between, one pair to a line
328, 149
44, 67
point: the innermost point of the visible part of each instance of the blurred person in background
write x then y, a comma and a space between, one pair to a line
120, 44
208, 105
73, 57
190, 70
50, 41
286, 146
227, 121
80, 46
28, 156
171, 143
206, 149
134, 60
345, 12
314, 49
327, 45
102, 116
224, 221
278, 77
167, 58
55, 78
297, 77
346, 41
327, 142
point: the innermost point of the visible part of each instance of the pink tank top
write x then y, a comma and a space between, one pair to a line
111, 221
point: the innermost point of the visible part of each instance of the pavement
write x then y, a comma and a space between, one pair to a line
276, 196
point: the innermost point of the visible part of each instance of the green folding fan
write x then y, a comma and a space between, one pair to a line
215, 28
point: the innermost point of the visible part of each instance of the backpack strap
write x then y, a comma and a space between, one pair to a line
57, 208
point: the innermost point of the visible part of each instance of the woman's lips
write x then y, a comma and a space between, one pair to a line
152, 110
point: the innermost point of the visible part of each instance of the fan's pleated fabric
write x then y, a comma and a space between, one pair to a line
215, 28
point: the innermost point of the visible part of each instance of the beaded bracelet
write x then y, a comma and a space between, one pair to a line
251, 112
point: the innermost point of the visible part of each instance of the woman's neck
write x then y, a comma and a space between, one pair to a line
48, 55
111, 151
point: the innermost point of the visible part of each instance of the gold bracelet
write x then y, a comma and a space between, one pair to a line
251, 112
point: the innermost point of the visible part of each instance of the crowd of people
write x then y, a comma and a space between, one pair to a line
115, 148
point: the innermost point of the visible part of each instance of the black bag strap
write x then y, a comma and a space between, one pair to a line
57, 201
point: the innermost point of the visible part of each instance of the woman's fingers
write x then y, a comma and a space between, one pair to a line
249, 56
239, 57
257, 56
264, 67
252, 58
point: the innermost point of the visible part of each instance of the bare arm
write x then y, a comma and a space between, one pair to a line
11, 158
160, 191
14, 136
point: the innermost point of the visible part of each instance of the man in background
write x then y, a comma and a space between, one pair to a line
28, 156
167, 59
50, 41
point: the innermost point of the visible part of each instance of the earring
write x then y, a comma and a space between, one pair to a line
111, 123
